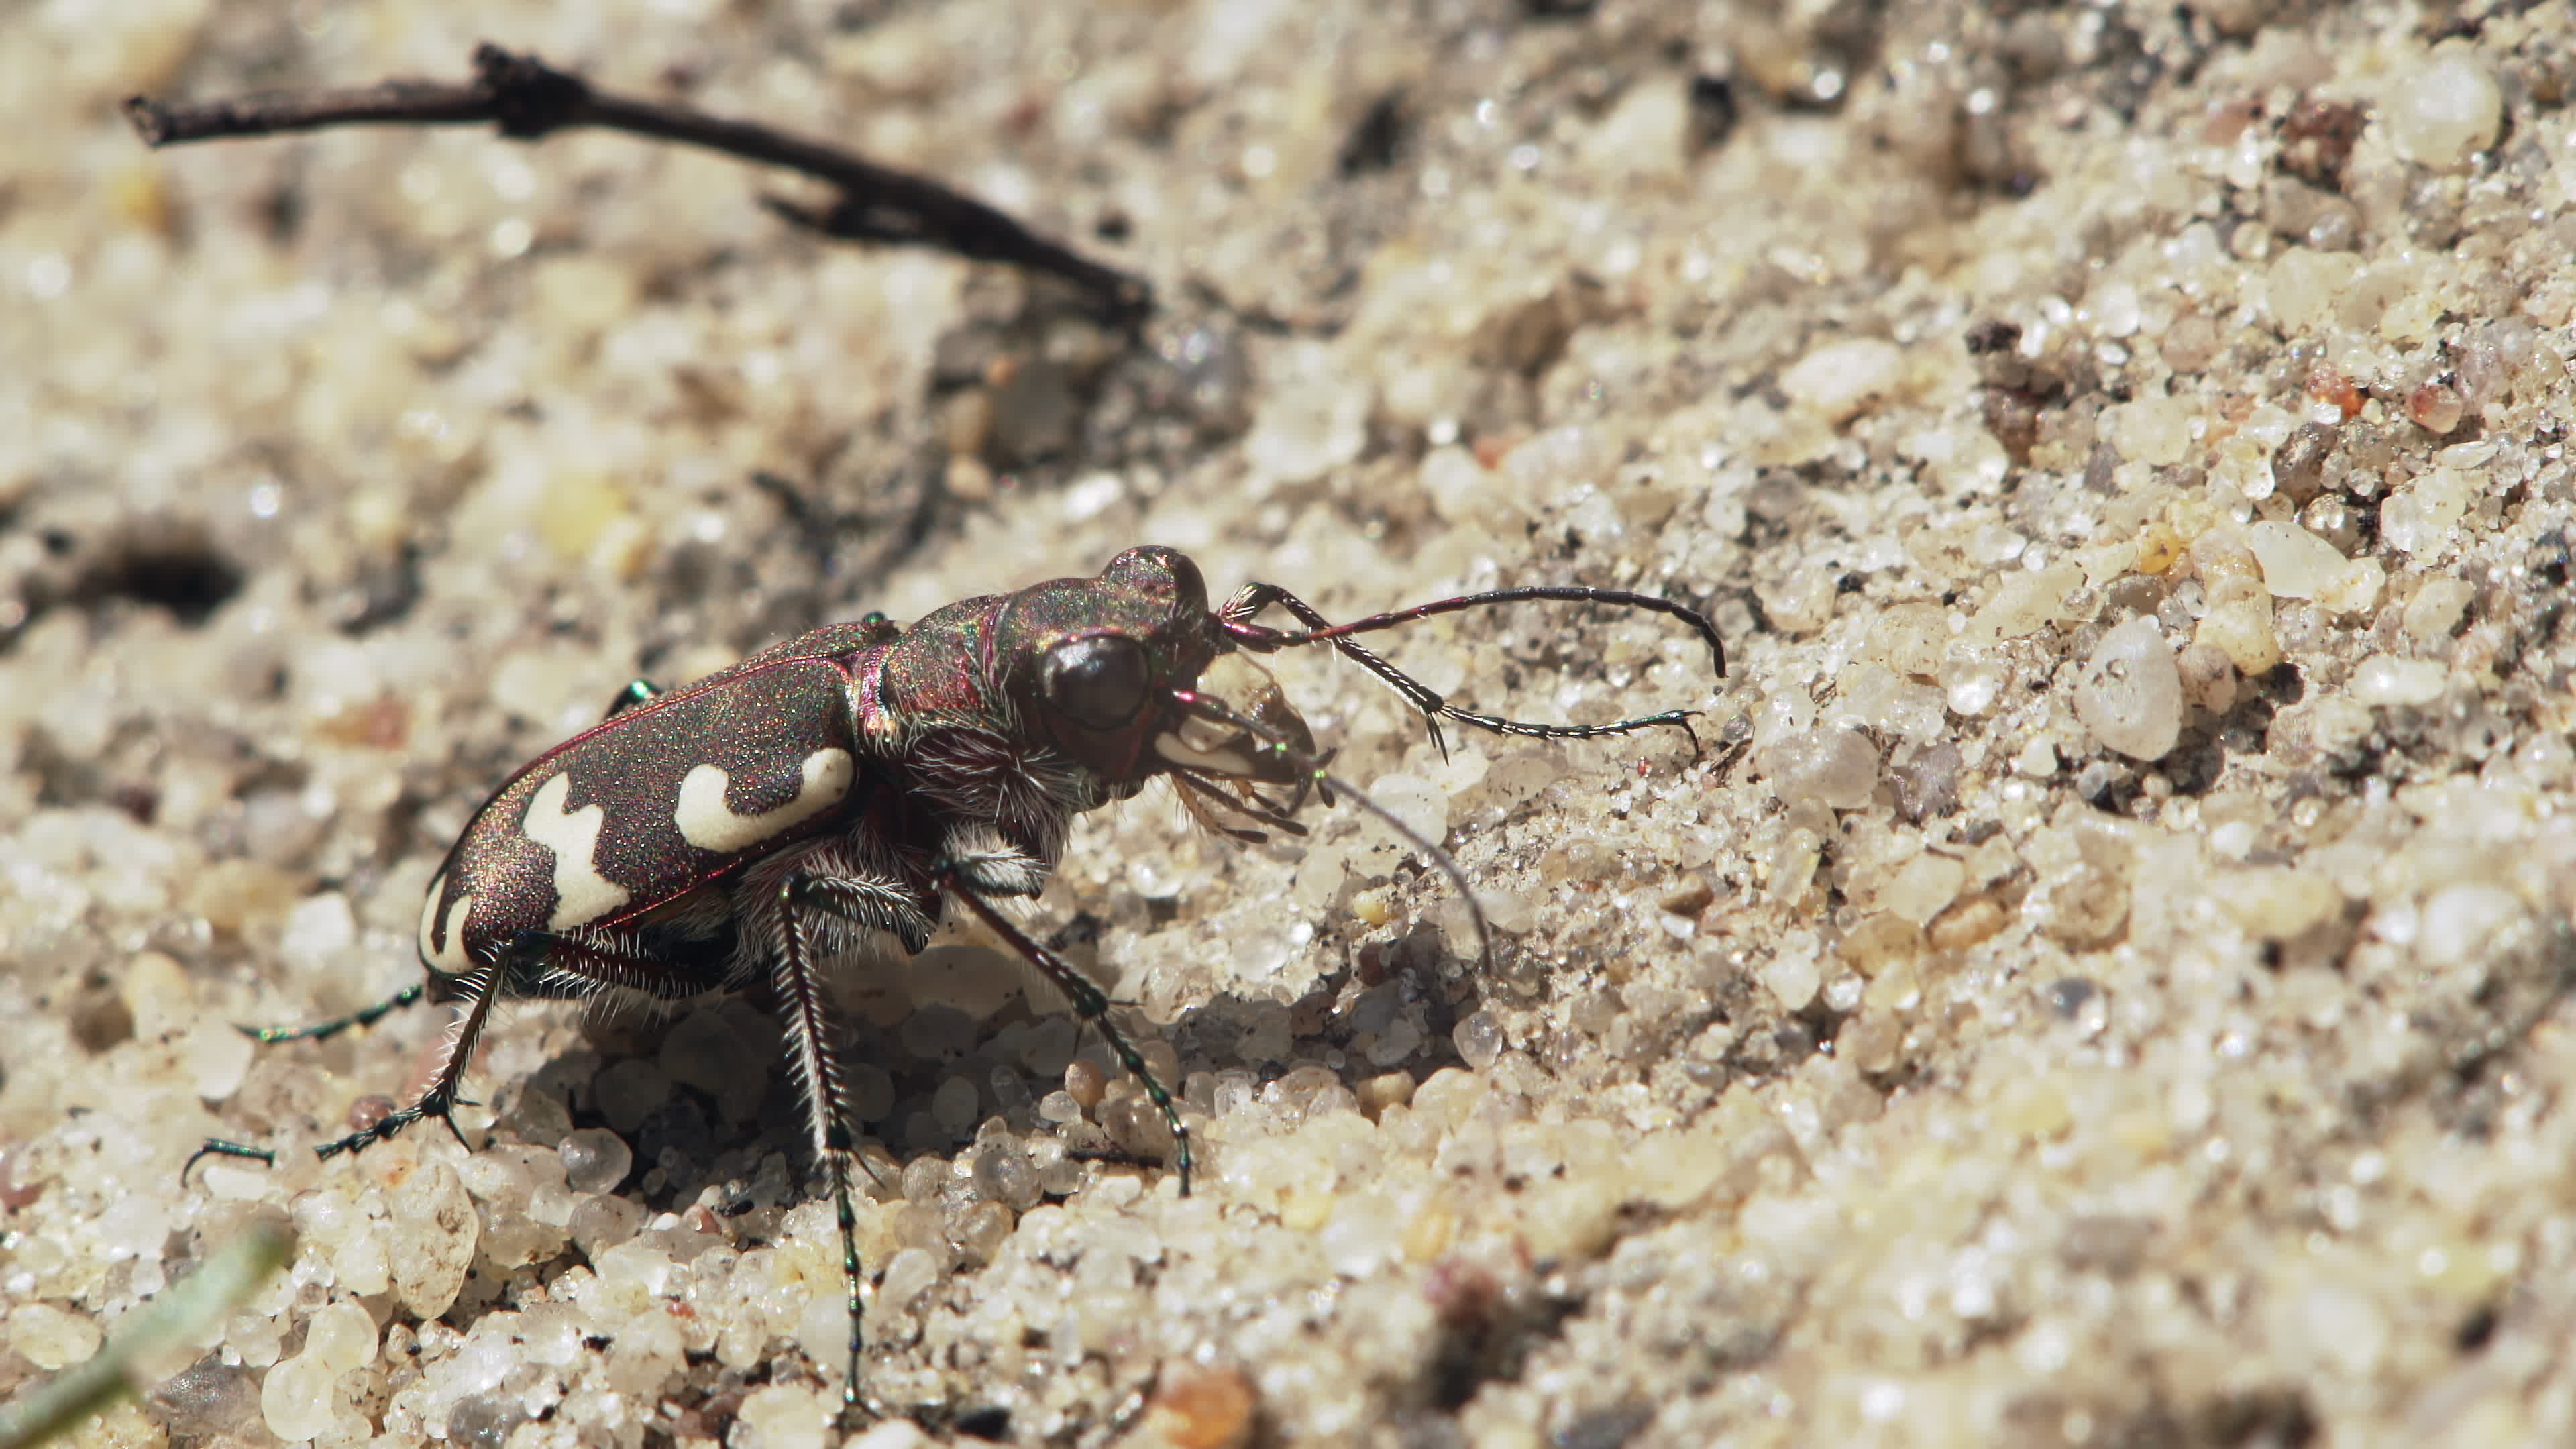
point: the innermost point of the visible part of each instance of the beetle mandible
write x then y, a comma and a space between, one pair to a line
847, 783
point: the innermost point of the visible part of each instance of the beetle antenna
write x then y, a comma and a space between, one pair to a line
1311, 767
1236, 619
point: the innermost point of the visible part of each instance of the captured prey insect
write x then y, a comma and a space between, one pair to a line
739, 831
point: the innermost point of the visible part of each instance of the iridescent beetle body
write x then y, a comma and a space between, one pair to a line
860, 751
739, 831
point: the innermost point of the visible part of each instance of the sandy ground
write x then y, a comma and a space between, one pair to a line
2100, 982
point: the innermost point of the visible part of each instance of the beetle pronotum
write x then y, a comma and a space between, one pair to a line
846, 784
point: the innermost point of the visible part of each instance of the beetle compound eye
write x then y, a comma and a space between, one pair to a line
1099, 682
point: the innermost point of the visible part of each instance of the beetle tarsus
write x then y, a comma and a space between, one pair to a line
218, 1147
637, 691
324, 1031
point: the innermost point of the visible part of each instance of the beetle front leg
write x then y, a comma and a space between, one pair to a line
1090, 1005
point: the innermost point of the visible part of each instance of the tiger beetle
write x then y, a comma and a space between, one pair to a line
847, 784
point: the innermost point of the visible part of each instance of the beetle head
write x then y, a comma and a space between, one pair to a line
1091, 664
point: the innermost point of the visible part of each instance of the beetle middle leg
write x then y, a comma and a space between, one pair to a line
834, 887
801, 1009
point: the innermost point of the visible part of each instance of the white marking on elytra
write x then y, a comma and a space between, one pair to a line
582, 894
1219, 762
708, 823
451, 957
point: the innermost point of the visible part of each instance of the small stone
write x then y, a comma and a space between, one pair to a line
1922, 887
1972, 686
603, 1222
216, 1058
2130, 694
1880, 943
1911, 639
52, 1338
1387, 1089
2208, 678
628, 1091
1966, 923
1801, 602
1086, 1081
2302, 286
2435, 610
2296, 563
484, 1421
2275, 904
2384, 679
783, 1416
296, 1398
2024, 603
1479, 1039
2423, 517
159, 996
2435, 408
2241, 629
1202, 1408
890, 1434
255, 1338
2459, 922
1420, 804
2037, 760
341, 1335
318, 930
2159, 548
1836, 767
908, 1275
954, 1105
2084, 907
1312, 419
1035, 413
2354, 588
1363, 1233
207, 1400
435, 1231
595, 1160
1792, 977
2153, 429
1525, 335
2032, 1106
2299, 464
1461, 489
2449, 110
1839, 380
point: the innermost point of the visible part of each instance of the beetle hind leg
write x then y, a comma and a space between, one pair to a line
475, 989
537, 964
